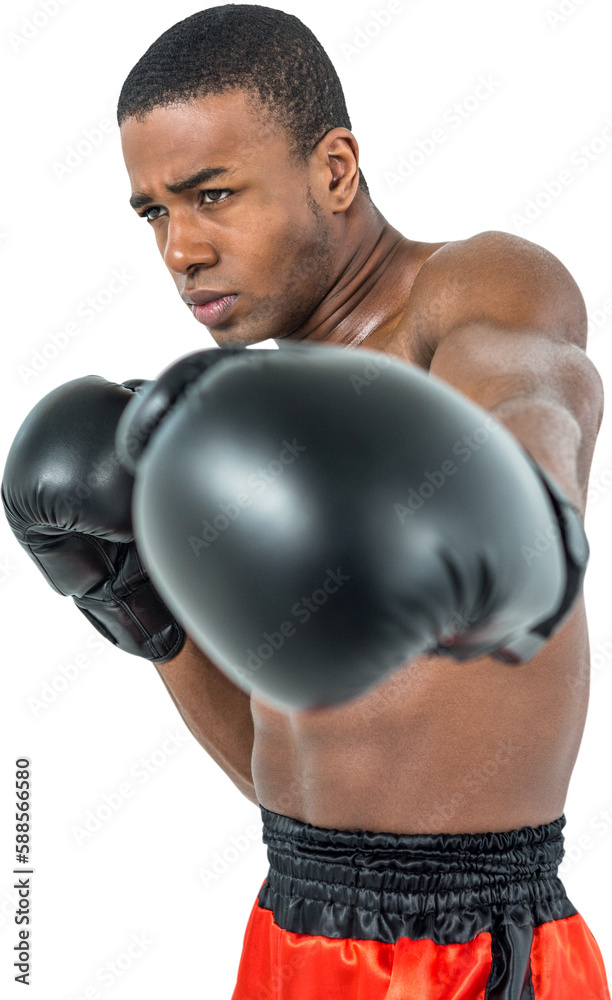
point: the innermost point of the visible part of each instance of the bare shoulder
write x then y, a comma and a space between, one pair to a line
498, 278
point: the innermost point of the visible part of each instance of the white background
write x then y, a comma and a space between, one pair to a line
60, 240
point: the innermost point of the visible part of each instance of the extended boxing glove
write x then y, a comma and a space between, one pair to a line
68, 501
318, 516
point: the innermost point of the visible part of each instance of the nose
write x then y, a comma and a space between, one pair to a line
187, 245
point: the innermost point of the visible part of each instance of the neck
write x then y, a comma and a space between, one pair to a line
368, 245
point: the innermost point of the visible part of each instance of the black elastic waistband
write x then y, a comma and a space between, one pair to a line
383, 886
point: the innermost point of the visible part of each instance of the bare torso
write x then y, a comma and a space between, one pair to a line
439, 746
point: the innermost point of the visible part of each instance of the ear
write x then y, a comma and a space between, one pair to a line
335, 167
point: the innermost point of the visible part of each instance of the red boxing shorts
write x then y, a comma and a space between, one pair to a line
355, 915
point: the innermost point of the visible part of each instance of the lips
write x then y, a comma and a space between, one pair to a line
210, 307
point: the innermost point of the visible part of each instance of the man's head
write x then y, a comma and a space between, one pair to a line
251, 90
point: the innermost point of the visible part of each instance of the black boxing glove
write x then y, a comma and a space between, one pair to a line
318, 516
68, 501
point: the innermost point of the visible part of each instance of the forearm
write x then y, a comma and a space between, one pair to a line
551, 435
548, 394
215, 710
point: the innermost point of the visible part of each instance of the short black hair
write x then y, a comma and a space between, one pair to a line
243, 47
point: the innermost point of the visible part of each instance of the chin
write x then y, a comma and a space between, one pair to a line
233, 338
228, 339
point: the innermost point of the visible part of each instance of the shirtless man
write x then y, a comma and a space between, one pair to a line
241, 159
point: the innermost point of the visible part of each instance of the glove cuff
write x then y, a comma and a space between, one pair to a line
574, 543
128, 611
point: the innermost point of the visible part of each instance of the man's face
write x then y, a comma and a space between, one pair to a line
250, 229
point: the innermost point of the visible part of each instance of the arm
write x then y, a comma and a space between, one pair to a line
215, 710
504, 322
548, 394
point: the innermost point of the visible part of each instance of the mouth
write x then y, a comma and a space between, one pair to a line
210, 310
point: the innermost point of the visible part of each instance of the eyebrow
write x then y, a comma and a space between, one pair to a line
140, 198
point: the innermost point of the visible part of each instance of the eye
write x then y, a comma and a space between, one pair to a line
214, 192
147, 213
